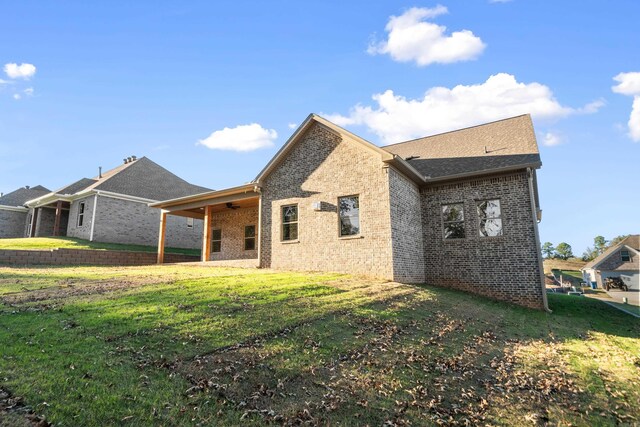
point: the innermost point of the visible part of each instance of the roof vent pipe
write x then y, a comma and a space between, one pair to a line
133, 158
99, 171
26, 186
128, 159
125, 160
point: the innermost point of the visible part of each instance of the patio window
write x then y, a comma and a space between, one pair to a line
189, 222
625, 255
249, 237
490, 217
80, 214
453, 221
289, 222
349, 213
216, 240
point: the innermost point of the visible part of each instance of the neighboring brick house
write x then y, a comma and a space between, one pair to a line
13, 213
113, 207
621, 260
458, 209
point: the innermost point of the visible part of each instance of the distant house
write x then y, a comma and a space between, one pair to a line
621, 260
113, 207
13, 213
458, 209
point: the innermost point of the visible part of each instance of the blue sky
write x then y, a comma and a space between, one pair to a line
156, 78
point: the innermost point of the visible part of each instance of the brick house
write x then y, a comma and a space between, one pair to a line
13, 213
113, 207
458, 209
621, 260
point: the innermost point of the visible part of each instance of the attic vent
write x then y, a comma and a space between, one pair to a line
133, 158
125, 160
27, 187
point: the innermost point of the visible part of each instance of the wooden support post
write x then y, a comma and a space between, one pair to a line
206, 234
34, 221
163, 229
56, 224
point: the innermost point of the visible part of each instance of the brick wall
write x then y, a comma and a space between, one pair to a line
614, 261
320, 168
86, 257
504, 267
123, 221
232, 223
12, 223
406, 229
45, 222
83, 232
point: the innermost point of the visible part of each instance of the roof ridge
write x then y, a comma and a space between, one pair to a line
456, 130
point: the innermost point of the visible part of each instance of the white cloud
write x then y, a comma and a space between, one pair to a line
22, 71
412, 38
629, 84
240, 138
28, 91
499, 1
396, 118
292, 125
551, 139
17, 96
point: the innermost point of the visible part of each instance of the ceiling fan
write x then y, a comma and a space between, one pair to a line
231, 206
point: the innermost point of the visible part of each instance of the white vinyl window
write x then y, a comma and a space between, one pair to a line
490, 218
453, 221
216, 240
249, 237
625, 255
349, 213
80, 214
289, 223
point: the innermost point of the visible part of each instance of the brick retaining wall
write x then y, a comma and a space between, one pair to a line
87, 257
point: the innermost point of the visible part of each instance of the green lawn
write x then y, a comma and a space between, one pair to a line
193, 345
48, 243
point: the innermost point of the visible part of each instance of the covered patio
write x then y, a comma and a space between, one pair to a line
232, 218
49, 219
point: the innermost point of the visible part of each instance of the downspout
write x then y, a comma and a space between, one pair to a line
93, 216
534, 216
258, 190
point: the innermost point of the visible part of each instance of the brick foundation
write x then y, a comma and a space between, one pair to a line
87, 257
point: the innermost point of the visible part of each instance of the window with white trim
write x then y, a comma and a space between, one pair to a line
289, 229
216, 240
490, 218
625, 255
453, 221
249, 237
349, 214
80, 214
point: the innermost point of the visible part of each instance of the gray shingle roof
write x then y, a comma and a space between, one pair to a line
76, 186
20, 196
145, 178
502, 144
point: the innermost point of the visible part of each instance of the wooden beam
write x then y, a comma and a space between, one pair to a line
206, 234
161, 236
34, 221
56, 224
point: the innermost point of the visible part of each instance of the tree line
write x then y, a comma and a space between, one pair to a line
564, 250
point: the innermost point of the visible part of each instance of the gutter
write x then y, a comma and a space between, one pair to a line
14, 208
528, 166
534, 216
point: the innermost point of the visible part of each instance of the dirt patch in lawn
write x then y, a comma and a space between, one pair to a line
14, 413
70, 289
